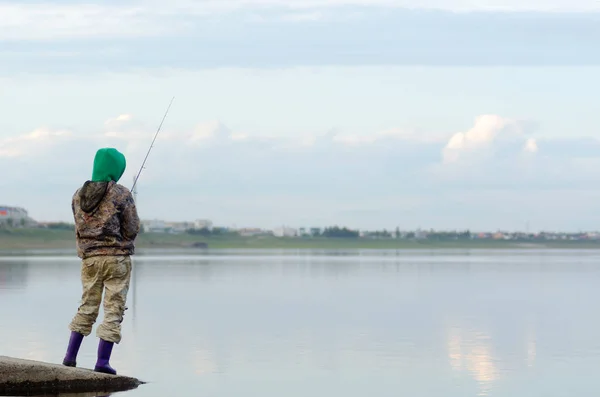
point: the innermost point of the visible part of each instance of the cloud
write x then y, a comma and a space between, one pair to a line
58, 21
118, 120
311, 158
531, 146
211, 154
393, 134
134, 19
73, 38
483, 137
213, 131
231, 176
31, 144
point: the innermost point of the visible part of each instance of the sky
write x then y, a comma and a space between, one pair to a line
450, 114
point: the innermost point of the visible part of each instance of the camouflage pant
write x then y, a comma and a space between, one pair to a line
99, 273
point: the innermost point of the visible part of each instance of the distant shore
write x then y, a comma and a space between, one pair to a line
34, 239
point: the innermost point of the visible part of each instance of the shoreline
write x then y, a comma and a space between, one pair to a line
44, 239
19, 377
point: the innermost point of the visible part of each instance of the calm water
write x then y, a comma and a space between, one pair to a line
364, 323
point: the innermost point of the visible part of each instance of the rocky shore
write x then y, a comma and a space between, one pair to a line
20, 377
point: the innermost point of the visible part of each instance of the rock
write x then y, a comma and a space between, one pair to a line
25, 378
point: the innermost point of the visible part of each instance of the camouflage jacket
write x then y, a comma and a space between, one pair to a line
106, 219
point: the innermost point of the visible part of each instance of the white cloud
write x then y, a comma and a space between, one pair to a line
119, 119
230, 176
46, 21
531, 146
453, 5
303, 16
214, 139
390, 134
32, 143
211, 131
477, 141
50, 21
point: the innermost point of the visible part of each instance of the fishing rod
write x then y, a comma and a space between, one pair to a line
134, 273
151, 145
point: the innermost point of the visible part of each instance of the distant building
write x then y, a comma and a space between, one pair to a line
498, 236
420, 234
160, 226
593, 236
285, 232
179, 227
154, 226
15, 217
250, 232
203, 224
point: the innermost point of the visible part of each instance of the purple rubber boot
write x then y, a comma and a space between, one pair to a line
70, 359
104, 352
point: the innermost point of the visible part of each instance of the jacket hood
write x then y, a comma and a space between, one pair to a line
109, 165
91, 195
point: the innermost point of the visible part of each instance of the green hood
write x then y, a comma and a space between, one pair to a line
109, 164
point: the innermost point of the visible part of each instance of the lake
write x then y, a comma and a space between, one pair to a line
293, 323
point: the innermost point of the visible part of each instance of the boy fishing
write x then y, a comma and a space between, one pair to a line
106, 225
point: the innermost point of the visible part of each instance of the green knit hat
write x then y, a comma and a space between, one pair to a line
109, 164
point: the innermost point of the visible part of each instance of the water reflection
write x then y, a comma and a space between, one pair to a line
13, 274
471, 351
531, 346
352, 324
203, 362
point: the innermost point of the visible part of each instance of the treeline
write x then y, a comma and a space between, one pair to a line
339, 232
60, 226
215, 231
451, 235
328, 232
345, 232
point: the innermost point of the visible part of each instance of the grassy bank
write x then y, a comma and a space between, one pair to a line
20, 239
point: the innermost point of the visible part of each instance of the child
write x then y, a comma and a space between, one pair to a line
106, 225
